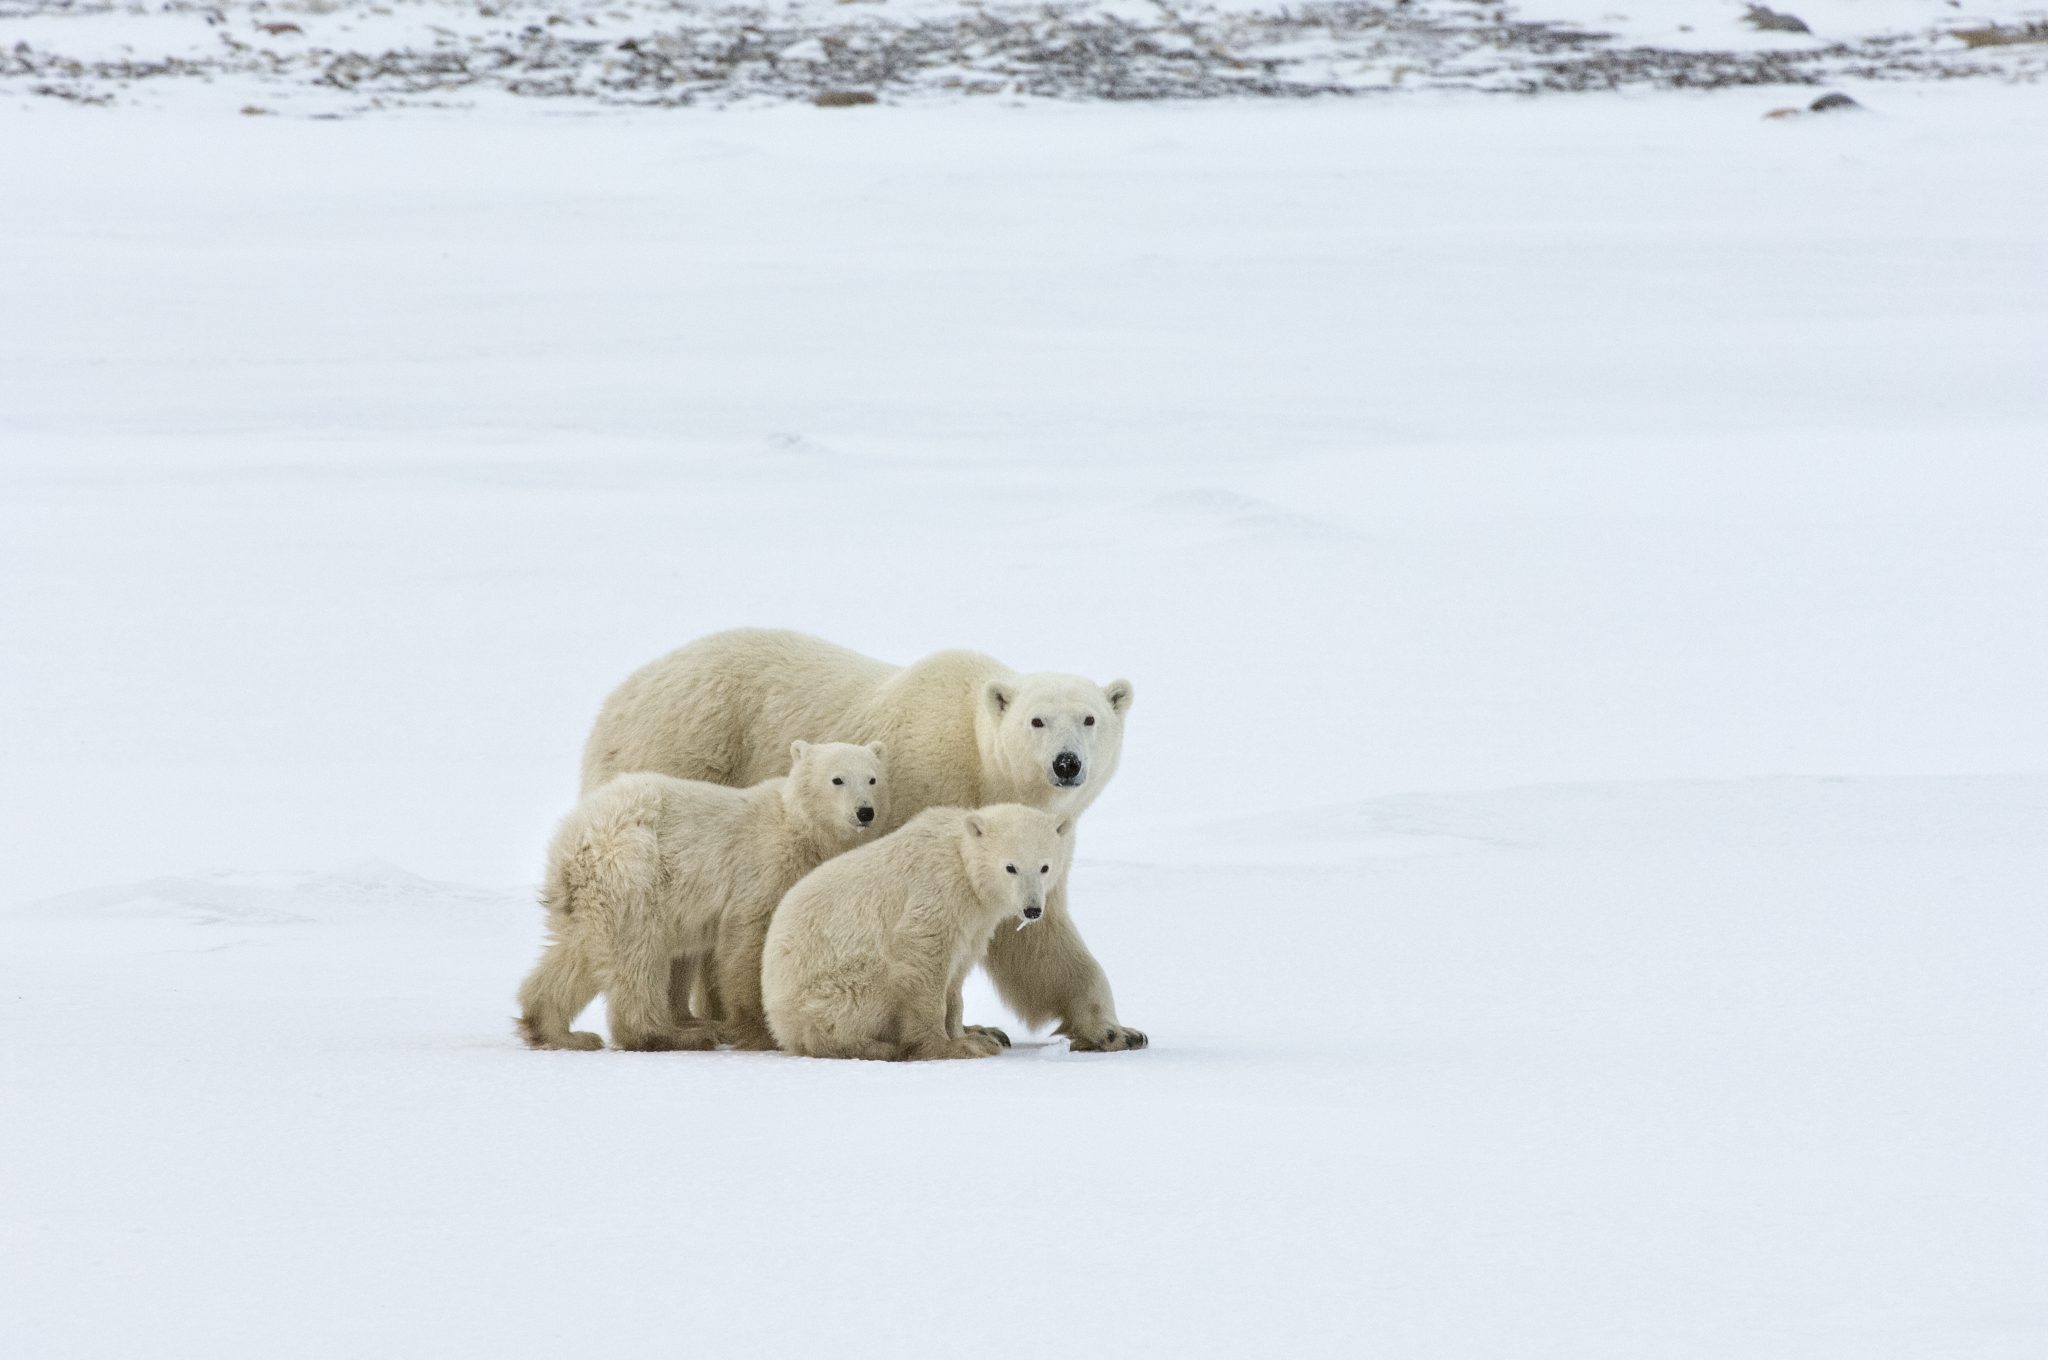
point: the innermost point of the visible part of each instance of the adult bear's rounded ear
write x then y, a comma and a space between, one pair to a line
1118, 692
796, 752
973, 825
997, 696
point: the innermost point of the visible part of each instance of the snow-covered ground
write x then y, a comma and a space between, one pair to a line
1582, 850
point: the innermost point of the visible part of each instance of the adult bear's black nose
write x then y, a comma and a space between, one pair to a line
1066, 766
866, 814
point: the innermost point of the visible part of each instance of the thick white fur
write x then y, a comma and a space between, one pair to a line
959, 730
866, 955
650, 870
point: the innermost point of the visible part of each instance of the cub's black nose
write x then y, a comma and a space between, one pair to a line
866, 815
1033, 913
1066, 765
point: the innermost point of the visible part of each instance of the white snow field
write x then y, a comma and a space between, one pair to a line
1581, 852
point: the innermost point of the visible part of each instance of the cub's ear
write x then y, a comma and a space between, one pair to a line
796, 752
973, 825
1118, 692
878, 751
1061, 829
998, 697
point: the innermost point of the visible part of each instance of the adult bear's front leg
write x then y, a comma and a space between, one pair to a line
1045, 973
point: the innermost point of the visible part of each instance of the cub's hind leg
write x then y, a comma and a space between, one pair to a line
642, 1018
687, 1001
553, 995
736, 978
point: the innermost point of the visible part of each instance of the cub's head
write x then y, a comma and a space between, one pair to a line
1061, 729
838, 788
1015, 857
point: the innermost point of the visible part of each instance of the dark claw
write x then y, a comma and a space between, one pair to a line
1001, 1038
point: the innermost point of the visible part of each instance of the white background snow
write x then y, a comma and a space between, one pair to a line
1582, 846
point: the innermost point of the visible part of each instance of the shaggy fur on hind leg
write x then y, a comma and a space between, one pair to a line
552, 996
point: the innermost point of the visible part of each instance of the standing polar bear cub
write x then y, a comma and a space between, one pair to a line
962, 730
865, 957
650, 871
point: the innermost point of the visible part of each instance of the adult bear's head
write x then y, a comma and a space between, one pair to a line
1055, 735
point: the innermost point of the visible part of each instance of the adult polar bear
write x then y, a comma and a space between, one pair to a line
961, 729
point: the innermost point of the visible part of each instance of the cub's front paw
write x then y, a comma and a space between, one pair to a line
697, 1037
1104, 1038
989, 1031
972, 1045
746, 1038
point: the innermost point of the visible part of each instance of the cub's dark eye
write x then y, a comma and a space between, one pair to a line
1038, 722
1088, 721
837, 780
1045, 868
1011, 867
871, 781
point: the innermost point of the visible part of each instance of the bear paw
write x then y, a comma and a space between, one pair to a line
683, 1038
1105, 1039
966, 1046
990, 1031
978, 1045
747, 1038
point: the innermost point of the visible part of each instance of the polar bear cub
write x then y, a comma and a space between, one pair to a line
865, 957
649, 870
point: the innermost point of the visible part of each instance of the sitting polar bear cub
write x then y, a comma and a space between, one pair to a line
650, 870
865, 957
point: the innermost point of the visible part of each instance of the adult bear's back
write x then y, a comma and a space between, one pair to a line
725, 707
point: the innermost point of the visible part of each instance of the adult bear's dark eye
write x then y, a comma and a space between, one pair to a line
871, 781
1011, 867
1088, 721
837, 780
1038, 722
1045, 868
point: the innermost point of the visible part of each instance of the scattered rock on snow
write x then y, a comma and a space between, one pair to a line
1827, 103
645, 55
1992, 35
1771, 21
